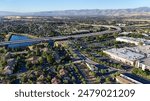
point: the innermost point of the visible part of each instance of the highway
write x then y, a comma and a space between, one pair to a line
58, 38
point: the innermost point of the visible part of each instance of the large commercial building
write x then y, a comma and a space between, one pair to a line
135, 56
127, 78
124, 55
136, 41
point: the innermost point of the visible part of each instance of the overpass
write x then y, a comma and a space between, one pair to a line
59, 38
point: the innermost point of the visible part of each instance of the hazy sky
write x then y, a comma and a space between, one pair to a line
50, 5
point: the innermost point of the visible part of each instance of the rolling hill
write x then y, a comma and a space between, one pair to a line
85, 12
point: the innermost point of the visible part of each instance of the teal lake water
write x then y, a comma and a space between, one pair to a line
19, 37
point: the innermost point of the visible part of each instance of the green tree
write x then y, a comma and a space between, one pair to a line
50, 59
108, 80
41, 60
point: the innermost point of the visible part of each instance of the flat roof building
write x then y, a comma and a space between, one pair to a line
136, 41
135, 56
122, 80
128, 78
135, 78
124, 55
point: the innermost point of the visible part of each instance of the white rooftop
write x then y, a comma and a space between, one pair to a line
126, 53
125, 33
130, 39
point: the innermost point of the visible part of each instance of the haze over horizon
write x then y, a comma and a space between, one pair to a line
56, 5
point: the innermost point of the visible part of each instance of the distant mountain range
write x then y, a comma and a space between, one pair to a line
85, 12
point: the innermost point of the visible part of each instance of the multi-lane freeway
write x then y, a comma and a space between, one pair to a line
57, 38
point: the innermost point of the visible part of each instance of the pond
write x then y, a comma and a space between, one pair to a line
19, 37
